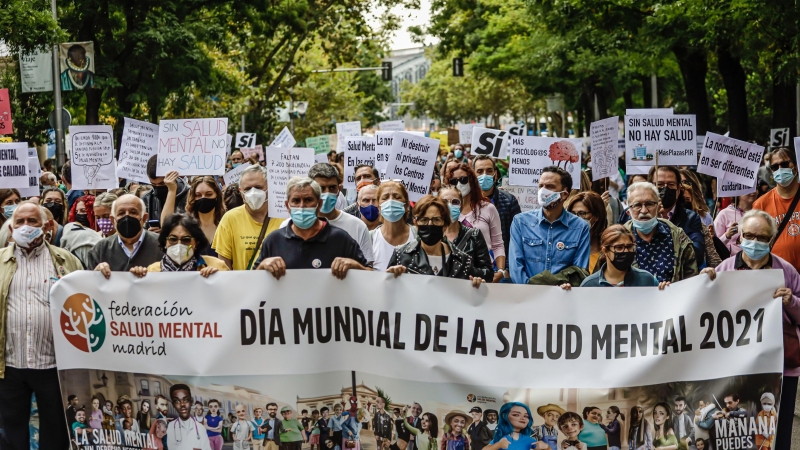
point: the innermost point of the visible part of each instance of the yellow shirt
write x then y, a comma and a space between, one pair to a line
593, 257
237, 235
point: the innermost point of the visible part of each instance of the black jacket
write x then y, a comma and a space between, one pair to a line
471, 242
276, 436
382, 424
153, 204
411, 255
688, 221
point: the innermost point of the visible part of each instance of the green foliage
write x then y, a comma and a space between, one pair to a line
28, 25
28, 111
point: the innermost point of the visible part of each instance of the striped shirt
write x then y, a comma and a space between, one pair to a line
29, 331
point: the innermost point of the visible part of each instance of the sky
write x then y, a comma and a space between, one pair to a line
409, 17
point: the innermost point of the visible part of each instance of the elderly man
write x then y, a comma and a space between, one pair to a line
365, 175
309, 241
662, 248
366, 207
238, 235
757, 230
27, 357
132, 245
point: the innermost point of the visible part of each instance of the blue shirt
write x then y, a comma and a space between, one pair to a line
258, 423
658, 255
538, 245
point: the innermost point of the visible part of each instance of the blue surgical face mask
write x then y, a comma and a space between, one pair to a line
370, 212
235, 165
783, 176
328, 202
393, 210
459, 154
9, 210
486, 182
304, 218
455, 212
754, 250
645, 226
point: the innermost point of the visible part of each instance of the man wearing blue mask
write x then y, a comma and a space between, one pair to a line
549, 238
662, 248
781, 204
308, 241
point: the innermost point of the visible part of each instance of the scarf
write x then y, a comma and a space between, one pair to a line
168, 265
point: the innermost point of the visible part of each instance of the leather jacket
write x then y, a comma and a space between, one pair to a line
471, 242
411, 255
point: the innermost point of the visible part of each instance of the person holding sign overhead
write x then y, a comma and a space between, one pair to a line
781, 204
155, 199
203, 202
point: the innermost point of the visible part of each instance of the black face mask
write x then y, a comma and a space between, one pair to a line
82, 219
204, 205
668, 197
623, 260
430, 234
57, 209
128, 227
161, 192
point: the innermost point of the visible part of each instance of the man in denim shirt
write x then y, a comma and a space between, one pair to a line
549, 238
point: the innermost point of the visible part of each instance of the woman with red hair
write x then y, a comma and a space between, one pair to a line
82, 212
80, 235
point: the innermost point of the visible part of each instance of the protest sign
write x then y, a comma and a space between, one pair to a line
247, 140
733, 189
344, 130
77, 65
169, 334
34, 172
486, 141
530, 154
650, 112
412, 162
527, 196
320, 144
284, 139
357, 150
192, 146
228, 142
234, 175
383, 149
516, 129
257, 151
604, 135
36, 71
465, 133
672, 137
139, 144
283, 163
392, 125
730, 159
6, 124
92, 157
779, 137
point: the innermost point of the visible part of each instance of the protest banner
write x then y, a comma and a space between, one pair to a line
283, 163
673, 137
530, 154
412, 162
465, 133
34, 172
357, 150
604, 138
92, 157
77, 65
527, 196
284, 139
234, 175
344, 130
257, 151
139, 144
733, 189
192, 146
169, 334
36, 72
392, 125
779, 137
247, 140
730, 159
486, 141
6, 123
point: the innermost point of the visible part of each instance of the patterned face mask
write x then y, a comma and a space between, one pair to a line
106, 226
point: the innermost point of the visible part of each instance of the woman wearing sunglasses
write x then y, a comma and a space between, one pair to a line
469, 240
478, 212
182, 240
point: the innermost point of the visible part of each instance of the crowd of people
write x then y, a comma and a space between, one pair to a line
630, 230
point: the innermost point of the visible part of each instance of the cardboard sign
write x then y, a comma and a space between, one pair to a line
733, 189
36, 72
357, 150
234, 175
283, 163
527, 196
247, 140
257, 151
730, 159
672, 137
93, 157
530, 154
412, 162
284, 139
779, 137
486, 141
344, 130
392, 125
6, 125
192, 146
604, 138
34, 172
139, 144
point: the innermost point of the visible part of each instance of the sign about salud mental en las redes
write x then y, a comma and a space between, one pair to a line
358, 150
412, 162
192, 146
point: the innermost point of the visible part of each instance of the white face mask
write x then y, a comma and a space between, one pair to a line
767, 408
464, 189
548, 197
255, 198
180, 253
25, 235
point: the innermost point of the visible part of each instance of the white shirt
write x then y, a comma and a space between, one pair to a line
383, 250
355, 227
341, 201
136, 245
29, 327
187, 435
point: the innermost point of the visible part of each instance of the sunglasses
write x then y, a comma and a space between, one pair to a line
185, 240
462, 180
780, 165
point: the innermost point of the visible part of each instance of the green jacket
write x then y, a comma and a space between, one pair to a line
64, 263
685, 262
573, 275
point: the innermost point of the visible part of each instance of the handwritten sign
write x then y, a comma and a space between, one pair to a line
6, 125
392, 125
282, 165
730, 159
530, 154
604, 135
465, 133
284, 139
733, 189
257, 151
139, 144
233, 176
357, 150
192, 146
344, 130
673, 137
412, 162
93, 157
320, 144
34, 172
527, 196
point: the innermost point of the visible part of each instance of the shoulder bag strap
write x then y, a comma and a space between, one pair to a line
259, 242
786, 219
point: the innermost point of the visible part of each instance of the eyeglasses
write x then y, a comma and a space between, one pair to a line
636, 207
687, 183
755, 237
582, 214
780, 165
671, 185
424, 221
619, 248
454, 202
462, 180
185, 240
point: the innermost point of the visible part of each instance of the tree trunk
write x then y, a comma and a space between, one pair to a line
627, 97
602, 104
694, 66
646, 92
784, 113
93, 99
735, 81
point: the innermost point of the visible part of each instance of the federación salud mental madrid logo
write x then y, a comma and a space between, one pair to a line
83, 323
